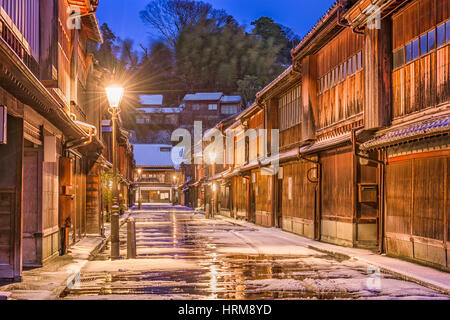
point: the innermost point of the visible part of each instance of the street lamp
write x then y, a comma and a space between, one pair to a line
114, 94
139, 186
214, 188
212, 157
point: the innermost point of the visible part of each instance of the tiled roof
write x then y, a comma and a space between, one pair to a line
158, 110
413, 131
231, 99
151, 155
327, 143
151, 99
204, 96
316, 27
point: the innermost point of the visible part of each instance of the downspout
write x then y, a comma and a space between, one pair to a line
382, 165
318, 168
340, 22
84, 141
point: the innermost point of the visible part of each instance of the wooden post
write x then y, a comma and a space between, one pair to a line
131, 239
378, 75
309, 97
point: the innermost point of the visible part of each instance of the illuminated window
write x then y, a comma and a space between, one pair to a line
195, 107
212, 106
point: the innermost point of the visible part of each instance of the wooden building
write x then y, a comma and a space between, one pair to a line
414, 147
157, 178
47, 162
363, 124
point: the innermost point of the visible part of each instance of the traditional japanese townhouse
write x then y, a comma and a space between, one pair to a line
238, 182
414, 147
47, 90
258, 182
209, 107
218, 164
157, 177
326, 107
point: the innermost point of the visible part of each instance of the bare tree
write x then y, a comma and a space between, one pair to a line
168, 18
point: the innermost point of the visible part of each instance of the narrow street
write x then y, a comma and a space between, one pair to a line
182, 255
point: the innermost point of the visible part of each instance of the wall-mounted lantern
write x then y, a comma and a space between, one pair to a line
3, 121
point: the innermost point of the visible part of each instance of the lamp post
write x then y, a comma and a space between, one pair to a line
213, 209
174, 189
212, 157
115, 95
140, 194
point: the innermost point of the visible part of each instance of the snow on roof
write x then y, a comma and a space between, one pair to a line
158, 110
204, 96
151, 99
157, 155
231, 99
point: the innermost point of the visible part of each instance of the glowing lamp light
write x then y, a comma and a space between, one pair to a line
212, 156
139, 171
115, 95
214, 187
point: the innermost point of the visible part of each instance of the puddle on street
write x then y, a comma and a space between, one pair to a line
167, 237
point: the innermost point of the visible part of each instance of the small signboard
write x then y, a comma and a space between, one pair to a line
3, 121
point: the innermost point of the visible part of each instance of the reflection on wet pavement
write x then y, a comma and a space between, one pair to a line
181, 255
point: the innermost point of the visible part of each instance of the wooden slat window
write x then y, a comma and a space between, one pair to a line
290, 108
420, 58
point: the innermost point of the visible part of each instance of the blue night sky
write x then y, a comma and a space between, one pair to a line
300, 15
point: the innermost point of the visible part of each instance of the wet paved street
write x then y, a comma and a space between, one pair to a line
182, 255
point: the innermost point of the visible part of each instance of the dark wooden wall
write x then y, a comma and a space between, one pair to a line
264, 195
337, 183
301, 205
239, 194
11, 158
416, 190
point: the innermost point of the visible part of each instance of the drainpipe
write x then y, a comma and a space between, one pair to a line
340, 11
382, 171
84, 141
318, 168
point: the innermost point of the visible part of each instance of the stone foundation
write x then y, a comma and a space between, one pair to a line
349, 234
298, 226
430, 253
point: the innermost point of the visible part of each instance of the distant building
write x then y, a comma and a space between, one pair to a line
156, 176
155, 123
209, 107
